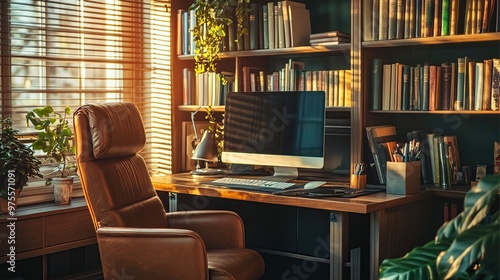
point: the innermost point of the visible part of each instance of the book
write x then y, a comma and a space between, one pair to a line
428, 18
377, 137
400, 19
408, 10
231, 30
375, 20
418, 18
487, 77
454, 10
188, 97
376, 84
383, 26
253, 23
330, 39
367, 10
445, 88
471, 85
300, 26
433, 90
436, 25
280, 25
286, 20
192, 24
405, 94
392, 17
445, 18
182, 32
386, 86
495, 84
270, 22
444, 165
329, 34
425, 88
265, 26
479, 84
453, 157
459, 102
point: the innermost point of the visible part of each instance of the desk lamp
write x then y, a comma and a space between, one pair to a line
205, 150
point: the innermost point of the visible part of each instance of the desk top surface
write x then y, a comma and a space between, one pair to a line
188, 184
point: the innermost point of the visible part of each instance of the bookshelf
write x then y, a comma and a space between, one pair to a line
314, 57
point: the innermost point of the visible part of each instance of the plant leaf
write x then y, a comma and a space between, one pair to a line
419, 263
468, 250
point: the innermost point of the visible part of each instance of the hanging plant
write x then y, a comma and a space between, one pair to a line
208, 32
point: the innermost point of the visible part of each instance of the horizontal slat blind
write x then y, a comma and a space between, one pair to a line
73, 52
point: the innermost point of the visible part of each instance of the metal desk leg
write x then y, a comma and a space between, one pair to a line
339, 226
172, 203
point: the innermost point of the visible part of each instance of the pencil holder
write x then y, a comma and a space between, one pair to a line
403, 177
358, 181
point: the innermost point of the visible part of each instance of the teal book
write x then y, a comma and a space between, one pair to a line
405, 100
425, 88
376, 84
459, 102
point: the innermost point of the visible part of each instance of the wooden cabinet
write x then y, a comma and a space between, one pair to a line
49, 241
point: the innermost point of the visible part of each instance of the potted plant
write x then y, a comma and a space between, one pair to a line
208, 32
17, 164
55, 139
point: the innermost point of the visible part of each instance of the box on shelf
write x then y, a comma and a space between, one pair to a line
403, 177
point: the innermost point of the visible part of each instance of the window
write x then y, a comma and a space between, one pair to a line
73, 52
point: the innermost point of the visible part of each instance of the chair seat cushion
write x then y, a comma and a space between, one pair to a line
235, 264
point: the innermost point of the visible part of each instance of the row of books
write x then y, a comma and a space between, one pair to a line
335, 83
461, 85
402, 19
438, 154
206, 89
283, 24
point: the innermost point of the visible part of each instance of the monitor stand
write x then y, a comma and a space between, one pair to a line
284, 174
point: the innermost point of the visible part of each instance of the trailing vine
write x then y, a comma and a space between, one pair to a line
208, 32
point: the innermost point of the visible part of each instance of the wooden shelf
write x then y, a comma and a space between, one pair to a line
438, 112
341, 48
455, 39
192, 108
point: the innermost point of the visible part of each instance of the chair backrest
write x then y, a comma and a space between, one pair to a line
114, 177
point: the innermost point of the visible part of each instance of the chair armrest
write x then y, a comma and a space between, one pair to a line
151, 253
219, 229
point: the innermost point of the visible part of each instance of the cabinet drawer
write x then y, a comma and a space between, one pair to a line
27, 235
68, 227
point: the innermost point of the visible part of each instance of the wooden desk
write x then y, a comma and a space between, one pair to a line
397, 222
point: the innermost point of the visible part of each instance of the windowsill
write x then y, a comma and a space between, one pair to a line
46, 208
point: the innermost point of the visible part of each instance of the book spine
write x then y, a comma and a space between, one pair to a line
376, 84
444, 165
400, 23
253, 23
471, 77
445, 18
495, 84
459, 102
393, 19
405, 102
437, 18
445, 87
454, 17
383, 20
265, 27
487, 68
281, 25
425, 89
418, 18
478, 96
367, 20
429, 18
432, 87
270, 20
375, 20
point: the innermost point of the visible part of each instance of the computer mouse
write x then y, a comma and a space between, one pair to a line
313, 184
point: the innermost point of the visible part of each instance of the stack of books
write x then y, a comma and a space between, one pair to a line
329, 38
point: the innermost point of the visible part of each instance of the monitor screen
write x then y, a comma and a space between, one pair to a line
285, 130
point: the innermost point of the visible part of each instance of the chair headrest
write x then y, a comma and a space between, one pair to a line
114, 129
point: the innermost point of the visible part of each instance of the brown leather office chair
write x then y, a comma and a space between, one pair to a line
136, 236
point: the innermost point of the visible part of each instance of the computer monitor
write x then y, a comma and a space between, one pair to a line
285, 130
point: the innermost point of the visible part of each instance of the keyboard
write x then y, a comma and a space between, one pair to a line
252, 184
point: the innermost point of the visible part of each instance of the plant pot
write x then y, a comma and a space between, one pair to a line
4, 203
63, 187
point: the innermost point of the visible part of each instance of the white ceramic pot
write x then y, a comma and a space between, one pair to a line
63, 187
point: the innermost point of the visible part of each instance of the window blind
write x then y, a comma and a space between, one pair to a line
74, 52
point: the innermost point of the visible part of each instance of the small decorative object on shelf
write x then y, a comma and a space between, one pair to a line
18, 164
55, 139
